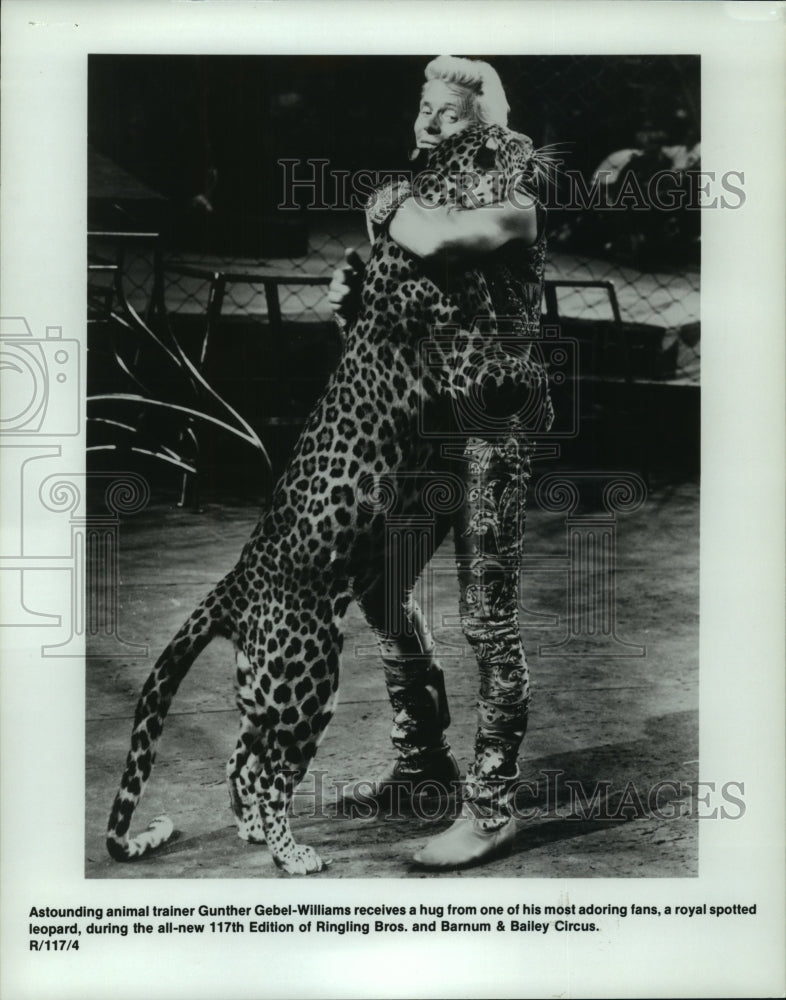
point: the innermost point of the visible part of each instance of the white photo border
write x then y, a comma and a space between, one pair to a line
42, 254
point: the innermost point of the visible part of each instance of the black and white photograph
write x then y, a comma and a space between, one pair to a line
392, 425
531, 338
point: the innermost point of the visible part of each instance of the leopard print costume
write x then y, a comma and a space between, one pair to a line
322, 540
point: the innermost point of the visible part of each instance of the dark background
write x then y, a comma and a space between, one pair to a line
167, 123
170, 120
168, 134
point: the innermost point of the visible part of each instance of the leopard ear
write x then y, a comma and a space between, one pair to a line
524, 142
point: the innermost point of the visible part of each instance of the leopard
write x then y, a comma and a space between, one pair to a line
321, 539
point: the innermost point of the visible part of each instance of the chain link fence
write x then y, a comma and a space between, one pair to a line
612, 122
242, 283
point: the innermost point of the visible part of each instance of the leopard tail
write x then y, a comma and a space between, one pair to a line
203, 625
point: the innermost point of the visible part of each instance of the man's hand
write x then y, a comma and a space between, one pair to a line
344, 288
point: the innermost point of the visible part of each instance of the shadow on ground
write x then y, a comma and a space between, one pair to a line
606, 765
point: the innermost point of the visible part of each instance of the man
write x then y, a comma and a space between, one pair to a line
459, 93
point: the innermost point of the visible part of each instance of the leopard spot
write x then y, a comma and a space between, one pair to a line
303, 687
310, 705
282, 694
289, 716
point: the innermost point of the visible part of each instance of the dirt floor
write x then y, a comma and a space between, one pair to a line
623, 725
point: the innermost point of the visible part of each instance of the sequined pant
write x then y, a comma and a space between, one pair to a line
488, 530
489, 535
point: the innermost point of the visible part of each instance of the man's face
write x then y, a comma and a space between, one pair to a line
444, 110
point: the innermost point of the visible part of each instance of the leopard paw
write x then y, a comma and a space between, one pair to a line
303, 861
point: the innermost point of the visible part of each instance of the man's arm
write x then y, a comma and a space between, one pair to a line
458, 232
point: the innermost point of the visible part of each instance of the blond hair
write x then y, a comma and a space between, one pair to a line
481, 80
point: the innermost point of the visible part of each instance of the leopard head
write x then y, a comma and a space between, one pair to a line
481, 165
